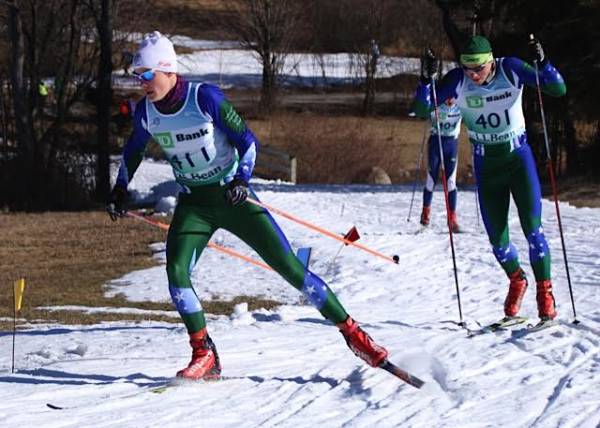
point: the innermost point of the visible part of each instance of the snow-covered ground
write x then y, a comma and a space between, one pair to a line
290, 368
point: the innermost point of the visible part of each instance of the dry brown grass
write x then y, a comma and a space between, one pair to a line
67, 257
192, 18
217, 5
587, 131
578, 191
343, 149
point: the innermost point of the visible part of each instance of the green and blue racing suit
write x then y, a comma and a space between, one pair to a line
503, 161
208, 145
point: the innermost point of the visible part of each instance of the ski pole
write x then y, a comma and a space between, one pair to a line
445, 185
553, 183
217, 247
419, 164
330, 264
394, 259
474, 20
476, 191
351, 235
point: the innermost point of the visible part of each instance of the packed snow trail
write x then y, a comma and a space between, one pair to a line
290, 368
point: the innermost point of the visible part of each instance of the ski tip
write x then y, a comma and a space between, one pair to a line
417, 383
401, 374
54, 407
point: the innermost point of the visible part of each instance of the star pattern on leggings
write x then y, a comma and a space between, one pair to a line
540, 243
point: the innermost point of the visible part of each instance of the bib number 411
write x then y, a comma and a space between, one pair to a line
188, 160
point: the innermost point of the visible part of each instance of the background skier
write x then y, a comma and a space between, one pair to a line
450, 119
488, 92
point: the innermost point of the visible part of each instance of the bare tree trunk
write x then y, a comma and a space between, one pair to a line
104, 100
23, 120
571, 146
457, 38
370, 70
61, 82
268, 89
267, 27
3, 117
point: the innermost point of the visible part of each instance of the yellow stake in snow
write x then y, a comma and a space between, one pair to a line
19, 288
18, 294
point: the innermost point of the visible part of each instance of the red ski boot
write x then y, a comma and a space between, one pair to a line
545, 300
361, 343
516, 291
454, 222
425, 214
205, 360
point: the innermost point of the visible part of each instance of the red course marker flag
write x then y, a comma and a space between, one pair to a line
352, 235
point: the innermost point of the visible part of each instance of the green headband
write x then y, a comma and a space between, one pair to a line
476, 58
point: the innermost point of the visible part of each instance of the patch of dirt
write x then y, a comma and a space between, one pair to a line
583, 191
66, 258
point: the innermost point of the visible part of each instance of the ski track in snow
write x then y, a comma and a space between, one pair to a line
290, 368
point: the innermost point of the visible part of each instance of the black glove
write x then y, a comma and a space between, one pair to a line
237, 191
428, 66
536, 51
116, 203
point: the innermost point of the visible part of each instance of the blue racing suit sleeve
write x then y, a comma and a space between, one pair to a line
213, 103
521, 73
447, 88
134, 149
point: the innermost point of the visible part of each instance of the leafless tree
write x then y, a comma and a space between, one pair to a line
103, 20
360, 28
45, 39
375, 16
67, 44
268, 27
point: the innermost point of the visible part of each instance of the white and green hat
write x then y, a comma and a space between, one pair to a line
477, 51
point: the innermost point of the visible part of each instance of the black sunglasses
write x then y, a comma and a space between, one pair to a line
475, 69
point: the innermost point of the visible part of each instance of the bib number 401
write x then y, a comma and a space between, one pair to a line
493, 120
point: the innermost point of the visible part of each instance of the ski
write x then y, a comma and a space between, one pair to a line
160, 389
432, 230
500, 325
420, 230
402, 374
154, 389
172, 384
55, 407
541, 325
386, 365
187, 383
462, 230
